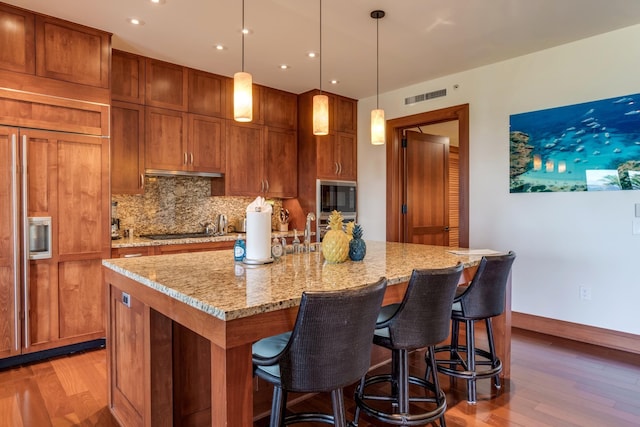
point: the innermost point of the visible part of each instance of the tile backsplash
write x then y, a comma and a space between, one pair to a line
178, 205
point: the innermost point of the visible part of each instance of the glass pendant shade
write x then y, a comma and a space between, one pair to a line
320, 115
377, 127
242, 97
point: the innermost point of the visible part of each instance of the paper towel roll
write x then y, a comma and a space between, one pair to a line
258, 237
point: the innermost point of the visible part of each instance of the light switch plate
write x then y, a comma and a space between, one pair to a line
636, 226
637, 210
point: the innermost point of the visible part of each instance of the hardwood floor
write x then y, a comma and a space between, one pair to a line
554, 382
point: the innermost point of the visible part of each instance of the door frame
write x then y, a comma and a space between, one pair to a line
395, 173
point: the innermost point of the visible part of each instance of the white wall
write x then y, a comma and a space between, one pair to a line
562, 240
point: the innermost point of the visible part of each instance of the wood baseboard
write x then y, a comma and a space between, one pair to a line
577, 332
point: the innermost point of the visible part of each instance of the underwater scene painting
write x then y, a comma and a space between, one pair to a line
594, 146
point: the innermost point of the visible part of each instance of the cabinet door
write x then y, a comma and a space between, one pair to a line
165, 139
280, 108
346, 114
346, 155
281, 163
17, 36
9, 256
73, 53
166, 85
127, 77
68, 180
207, 93
206, 144
244, 176
127, 148
326, 162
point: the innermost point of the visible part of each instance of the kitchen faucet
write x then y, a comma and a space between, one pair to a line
307, 231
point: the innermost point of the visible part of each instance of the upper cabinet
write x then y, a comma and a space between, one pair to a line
207, 94
127, 77
71, 52
330, 156
17, 32
280, 108
127, 148
167, 85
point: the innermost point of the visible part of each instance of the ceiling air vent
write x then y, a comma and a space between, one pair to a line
425, 96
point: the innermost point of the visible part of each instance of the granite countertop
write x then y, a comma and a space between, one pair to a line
134, 242
214, 283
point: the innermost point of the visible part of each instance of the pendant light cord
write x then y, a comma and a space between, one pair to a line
242, 30
377, 64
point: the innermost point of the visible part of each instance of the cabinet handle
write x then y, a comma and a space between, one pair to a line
131, 255
191, 154
184, 161
339, 168
16, 241
25, 233
142, 180
267, 185
262, 185
336, 163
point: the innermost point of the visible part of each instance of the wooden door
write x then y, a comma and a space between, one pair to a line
68, 181
244, 176
281, 162
10, 280
72, 53
427, 182
17, 35
207, 93
127, 148
165, 139
346, 155
206, 144
127, 77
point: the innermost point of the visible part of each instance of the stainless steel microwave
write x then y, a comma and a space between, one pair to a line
334, 196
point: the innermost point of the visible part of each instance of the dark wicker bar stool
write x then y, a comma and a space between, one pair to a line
483, 299
420, 320
329, 348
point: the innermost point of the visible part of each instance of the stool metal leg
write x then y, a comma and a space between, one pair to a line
492, 352
337, 401
278, 405
471, 361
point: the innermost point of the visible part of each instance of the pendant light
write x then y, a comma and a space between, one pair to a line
242, 88
377, 116
320, 101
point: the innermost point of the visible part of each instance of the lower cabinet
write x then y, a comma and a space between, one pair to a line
138, 251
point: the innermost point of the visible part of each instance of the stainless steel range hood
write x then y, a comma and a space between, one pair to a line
158, 172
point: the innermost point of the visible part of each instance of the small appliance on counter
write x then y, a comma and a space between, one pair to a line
115, 221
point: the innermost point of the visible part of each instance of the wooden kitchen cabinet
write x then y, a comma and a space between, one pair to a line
206, 144
17, 32
261, 161
177, 141
127, 77
72, 52
165, 139
332, 156
280, 108
167, 85
207, 94
192, 247
127, 148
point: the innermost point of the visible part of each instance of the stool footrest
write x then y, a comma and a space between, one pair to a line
459, 362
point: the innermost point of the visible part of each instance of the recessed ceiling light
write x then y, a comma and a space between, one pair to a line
135, 21
284, 67
157, 1
312, 54
220, 47
246, 31
334, 82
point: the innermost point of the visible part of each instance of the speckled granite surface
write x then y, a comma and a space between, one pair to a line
136, 242
213, 283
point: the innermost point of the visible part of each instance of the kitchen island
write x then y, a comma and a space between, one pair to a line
181, 326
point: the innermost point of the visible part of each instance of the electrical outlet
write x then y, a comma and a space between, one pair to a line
585, 292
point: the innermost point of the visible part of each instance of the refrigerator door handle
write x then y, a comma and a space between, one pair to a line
16, 238
25, 232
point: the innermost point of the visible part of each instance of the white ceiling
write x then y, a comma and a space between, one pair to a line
419, 39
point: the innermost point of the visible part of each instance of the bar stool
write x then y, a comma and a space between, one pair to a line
483, 299
420, 320
329, 348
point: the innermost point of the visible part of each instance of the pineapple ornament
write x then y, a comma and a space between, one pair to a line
357, 246
335, 244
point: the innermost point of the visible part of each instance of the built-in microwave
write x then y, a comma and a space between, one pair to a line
334, 196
